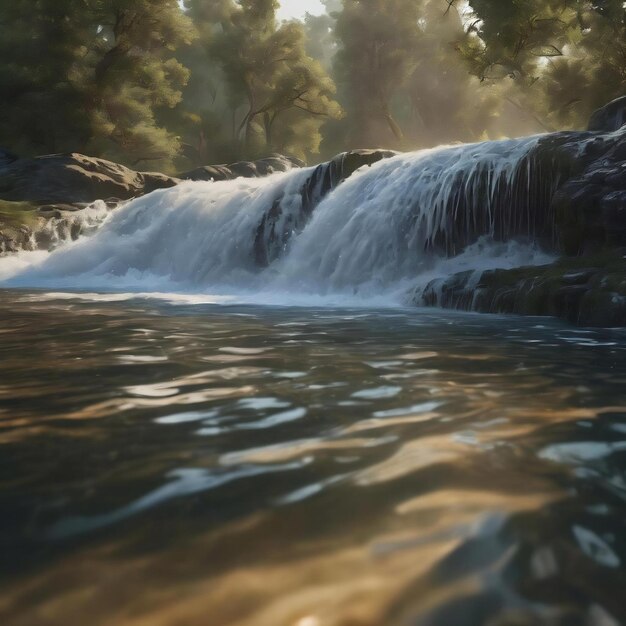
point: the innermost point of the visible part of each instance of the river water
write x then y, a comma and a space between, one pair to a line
176, 461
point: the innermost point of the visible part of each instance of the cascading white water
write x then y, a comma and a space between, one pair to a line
380, 231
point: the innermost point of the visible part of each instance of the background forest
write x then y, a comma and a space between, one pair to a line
160, 84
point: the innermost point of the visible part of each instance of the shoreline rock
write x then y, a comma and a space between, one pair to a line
75, 179
245, 169
585, 291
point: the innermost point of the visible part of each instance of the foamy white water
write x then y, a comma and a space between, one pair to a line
370, 240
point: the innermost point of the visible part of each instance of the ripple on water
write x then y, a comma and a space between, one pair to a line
181, 482
189, 416
377, 393
243, 351
383, 364
302, 448
595, 547
138, 358
274, 420
418, 413
424, 407
261, 403
581, 451
421, 469
412, 457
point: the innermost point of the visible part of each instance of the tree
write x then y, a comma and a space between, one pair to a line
378, 42
321, 43
446, 103
41, 72
269, 79
134, 76
564, 57
593, 69
92, 74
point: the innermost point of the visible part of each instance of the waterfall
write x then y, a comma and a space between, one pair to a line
405, 218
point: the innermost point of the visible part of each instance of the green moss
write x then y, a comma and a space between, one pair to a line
17, 214
610, 262
583, 290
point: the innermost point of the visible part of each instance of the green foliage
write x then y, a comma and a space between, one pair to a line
514, 35
91, 75
564, 57
320, 41
157, 85
400, 74
41, 50
17, 214
378, 42
447, 104
273, 92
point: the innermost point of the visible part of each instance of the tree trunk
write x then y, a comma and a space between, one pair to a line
268, 123
107, 61
246, 123
248, 135
393, 125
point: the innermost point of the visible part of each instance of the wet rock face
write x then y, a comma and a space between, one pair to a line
587, 291
327, 176
274, 232
24, 226
247, 169
584, 219
74, 178
588, 206
7, 157
610, 117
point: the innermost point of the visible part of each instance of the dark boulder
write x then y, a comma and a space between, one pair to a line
610, 117
587, 207
587, 291
151, 181
208, 172
246, 169
7, 157
74, 178
277, 163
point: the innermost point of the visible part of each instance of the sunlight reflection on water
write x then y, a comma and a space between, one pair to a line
276, 466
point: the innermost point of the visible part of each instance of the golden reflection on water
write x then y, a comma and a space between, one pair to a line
302, 468
272, 581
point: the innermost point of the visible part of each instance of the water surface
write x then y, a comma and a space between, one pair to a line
171, 463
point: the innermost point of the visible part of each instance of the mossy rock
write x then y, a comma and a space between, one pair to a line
19, 223
588, 291
18, 214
